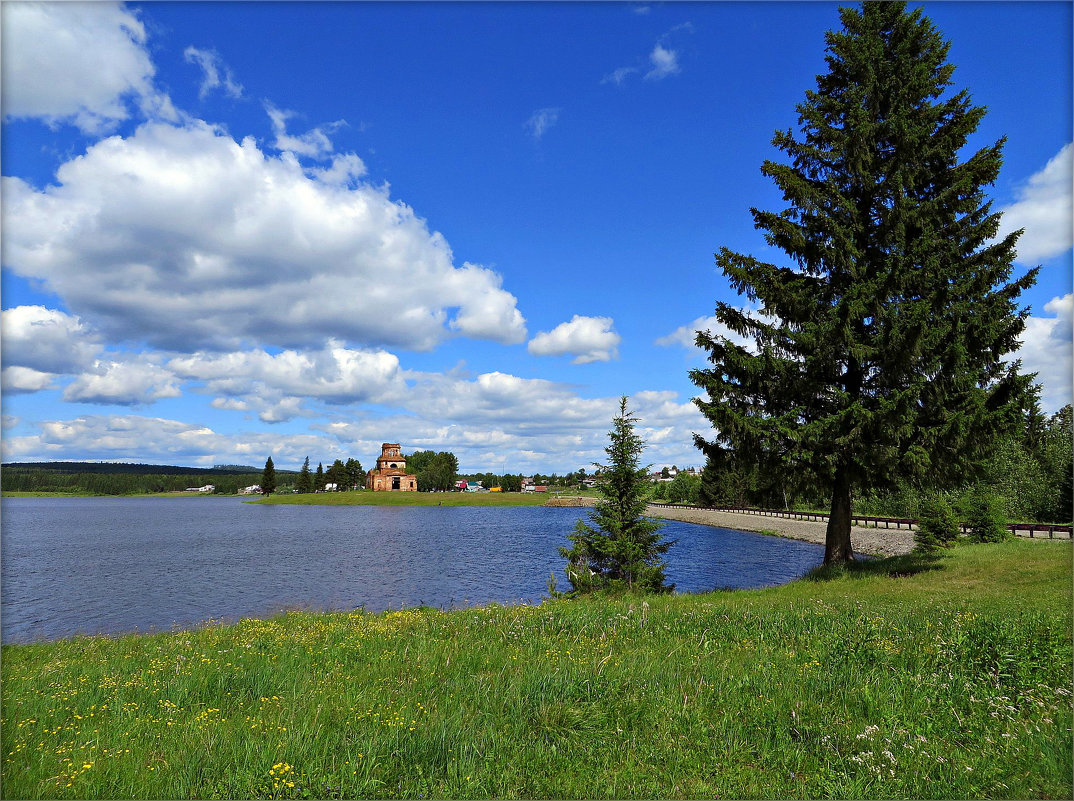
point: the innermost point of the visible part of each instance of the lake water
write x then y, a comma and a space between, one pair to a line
114, 565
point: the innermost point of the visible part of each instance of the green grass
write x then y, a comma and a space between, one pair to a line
368, 498
905, 678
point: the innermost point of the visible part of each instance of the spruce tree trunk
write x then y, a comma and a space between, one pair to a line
837, 548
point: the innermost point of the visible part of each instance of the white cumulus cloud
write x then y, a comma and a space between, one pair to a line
619, 76
314, 143
18, 380
133, 438
215, 73
46, 340
529, 424
78, 63
1044, 209
183, 238
685, 335
127, 382
664, 61
588, 339
541, 121
277, 385
1047, 345
488, 421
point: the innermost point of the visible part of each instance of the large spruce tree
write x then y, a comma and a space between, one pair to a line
877, 347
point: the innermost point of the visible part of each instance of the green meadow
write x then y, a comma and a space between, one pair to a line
911, 677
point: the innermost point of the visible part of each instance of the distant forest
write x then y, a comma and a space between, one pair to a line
106, 478
143, 469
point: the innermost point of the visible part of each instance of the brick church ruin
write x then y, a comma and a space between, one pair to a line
390, 474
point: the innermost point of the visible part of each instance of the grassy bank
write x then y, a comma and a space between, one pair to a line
904, 678
367, 498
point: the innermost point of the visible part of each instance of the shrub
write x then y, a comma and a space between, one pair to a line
684, 488
986, 520
937, 527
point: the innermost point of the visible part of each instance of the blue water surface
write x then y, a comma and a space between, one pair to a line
115, 565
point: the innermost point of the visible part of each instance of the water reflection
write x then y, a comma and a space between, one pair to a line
113, 565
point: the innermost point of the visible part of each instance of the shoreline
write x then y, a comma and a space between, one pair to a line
869, 541
866, 540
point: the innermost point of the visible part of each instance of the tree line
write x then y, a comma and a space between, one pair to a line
116, 468
1028, 470
342, 476
43, 479
436, 472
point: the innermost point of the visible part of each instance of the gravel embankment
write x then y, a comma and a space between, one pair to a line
873, 541
865, 540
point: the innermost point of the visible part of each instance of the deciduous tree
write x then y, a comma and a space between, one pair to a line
436, 472
336, 474
355, 474
684, 488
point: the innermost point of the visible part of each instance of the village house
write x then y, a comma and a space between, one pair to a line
390, 474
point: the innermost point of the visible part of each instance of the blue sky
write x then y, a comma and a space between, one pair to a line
235, 230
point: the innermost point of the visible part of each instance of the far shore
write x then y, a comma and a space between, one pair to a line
356, 498
369, 498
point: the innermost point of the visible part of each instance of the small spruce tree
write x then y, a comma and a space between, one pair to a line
937, 527
318, 478
623, 549
986, 521
268, 478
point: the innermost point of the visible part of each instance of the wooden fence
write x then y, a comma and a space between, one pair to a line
1021, 529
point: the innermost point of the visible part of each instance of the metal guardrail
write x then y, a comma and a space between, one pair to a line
1051, 529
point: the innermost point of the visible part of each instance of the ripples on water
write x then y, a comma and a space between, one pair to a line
114, 565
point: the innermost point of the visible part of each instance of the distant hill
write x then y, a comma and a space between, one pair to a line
116, 478
117, 468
